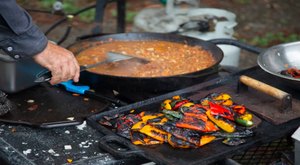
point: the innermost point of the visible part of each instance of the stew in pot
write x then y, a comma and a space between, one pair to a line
165, 58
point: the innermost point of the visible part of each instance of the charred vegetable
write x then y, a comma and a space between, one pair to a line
186, 124
138, 138
244, 120
233, 141
219, 110
178, 143
174, 114
240, 109
246, 123
196, 124
124, 124
155, 133
188, 135
224, 125
291, 72
242, 134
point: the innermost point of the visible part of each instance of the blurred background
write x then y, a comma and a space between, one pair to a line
262, 23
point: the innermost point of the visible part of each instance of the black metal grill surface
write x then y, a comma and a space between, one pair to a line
275, 152
164, 154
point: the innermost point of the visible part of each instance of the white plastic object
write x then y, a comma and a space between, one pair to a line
223, 29
164, 21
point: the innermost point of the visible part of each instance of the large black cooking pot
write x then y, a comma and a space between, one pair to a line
154, 84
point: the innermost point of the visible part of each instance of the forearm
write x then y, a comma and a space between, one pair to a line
19, 36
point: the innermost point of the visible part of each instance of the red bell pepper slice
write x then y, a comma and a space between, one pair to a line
240, 109
221, 111
179, 104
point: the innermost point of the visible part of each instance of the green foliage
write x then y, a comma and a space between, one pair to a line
47, 3
129, 15
87, 16
274, 38
243, 1
70, 7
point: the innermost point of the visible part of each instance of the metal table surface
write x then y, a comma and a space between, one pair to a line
26, 145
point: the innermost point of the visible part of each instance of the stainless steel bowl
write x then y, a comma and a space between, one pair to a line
279, 58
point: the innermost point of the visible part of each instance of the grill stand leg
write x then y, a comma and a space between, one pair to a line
297, 152
99, 15
296, 137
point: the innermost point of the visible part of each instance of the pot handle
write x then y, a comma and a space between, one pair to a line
128, 150
227, 41
285, 98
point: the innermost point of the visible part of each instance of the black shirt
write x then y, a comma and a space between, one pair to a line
19, 36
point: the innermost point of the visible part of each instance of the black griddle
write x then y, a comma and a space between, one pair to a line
165, 154
49, 106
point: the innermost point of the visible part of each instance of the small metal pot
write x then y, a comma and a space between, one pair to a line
274, 59
279, 58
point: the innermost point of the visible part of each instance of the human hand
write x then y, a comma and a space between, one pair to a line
60, 62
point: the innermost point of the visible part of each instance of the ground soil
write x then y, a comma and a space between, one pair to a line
254, 18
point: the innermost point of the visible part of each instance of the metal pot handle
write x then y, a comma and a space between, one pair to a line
129, 150
239, 44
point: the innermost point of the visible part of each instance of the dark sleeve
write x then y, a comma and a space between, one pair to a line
19, 36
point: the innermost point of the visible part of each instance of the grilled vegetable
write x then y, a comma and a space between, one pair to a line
155, 133
243, 134
240, 109
219, 110
217, 98
151, 116
227, 102
206, 139
188, 135
178, 104
246, 123
158, 121
105, 123
244, 120
184, 124
188, 104
170, 117
221, 96
177, 97
174, 114
124, 124
233, 141
166, 104
196, 108
196, 124
246, 116
200, 116
224, 125
178, 143
138, 138
139, 125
